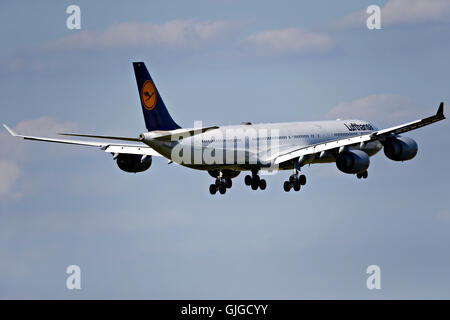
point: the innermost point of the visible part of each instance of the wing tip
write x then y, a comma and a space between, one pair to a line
11, 132
440, 112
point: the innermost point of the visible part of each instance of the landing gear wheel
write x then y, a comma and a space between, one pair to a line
248, 180
222, 189
365, 174
262, 184
296, 186
292, 178
287, 186
302, 179
228, 182
359, 175
256, 179
255, 184
212, 189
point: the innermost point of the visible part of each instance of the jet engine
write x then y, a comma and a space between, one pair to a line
352, 161
133, 162
400, 148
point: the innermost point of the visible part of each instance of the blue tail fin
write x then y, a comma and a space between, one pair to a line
155, 112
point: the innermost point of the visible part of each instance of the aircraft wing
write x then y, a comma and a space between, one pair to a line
107, 147
377, 135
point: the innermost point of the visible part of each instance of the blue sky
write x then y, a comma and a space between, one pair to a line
159, 234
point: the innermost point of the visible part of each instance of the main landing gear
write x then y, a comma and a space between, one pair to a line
255, 181
221, 184
363, 175
295, 181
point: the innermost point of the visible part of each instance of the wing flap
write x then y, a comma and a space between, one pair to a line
321, 147
132, 150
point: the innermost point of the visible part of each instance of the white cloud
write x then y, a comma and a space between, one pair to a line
382, 108
9, 173
287, 41
401, 12
443, 215
173, 34
44, 126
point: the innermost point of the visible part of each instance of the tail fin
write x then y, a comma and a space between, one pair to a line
155, 112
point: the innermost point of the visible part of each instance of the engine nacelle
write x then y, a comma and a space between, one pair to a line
353, 161
400, 148
133, 162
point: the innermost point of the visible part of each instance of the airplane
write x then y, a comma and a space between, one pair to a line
225, 151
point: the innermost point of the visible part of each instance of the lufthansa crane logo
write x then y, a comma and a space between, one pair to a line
148, 95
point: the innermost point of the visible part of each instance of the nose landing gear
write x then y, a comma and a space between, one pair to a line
221, 184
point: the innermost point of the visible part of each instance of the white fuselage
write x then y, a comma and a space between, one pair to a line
242, 147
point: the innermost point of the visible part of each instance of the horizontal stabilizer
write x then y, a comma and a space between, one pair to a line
180, 134
173, 135
98, 137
